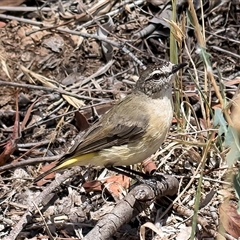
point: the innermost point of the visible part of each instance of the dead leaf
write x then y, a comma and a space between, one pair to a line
55, 43
235, 112
27, 115
229, 217
103, 31
11, 145
2, 24
155, 229
114, 184
81, 121
149, 166
5, 66
194, 155
77, 103
49, 176
95, 186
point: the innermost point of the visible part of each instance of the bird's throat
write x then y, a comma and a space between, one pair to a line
164, 93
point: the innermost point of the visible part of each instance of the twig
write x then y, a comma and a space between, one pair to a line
30, 161
120, 9
48, 89
136, 201
217, 35
64, 114
25, 9
38, 200
225, 51
99, 72
32, 144
189, 213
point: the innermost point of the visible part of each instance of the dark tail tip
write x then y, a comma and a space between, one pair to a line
41, 176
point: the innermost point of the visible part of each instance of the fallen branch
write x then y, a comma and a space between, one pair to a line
37, 201
136, 201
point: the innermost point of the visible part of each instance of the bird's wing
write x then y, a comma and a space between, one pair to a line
114, 129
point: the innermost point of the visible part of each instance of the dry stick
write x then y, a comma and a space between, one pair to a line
99, 72
45, 224
114, 35
220, 36
227, 52
25, 9
117, 11
95, 8
119, 8
38, 200
30, 161
32, 144
189, 213
94, 36
64, 114
48, 89
4, 83
136, 201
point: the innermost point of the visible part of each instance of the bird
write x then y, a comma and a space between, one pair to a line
133, 129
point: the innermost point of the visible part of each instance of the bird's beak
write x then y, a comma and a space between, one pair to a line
177, 67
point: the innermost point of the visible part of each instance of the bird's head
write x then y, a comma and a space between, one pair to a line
157, 78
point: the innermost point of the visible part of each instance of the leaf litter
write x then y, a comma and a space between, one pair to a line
86, 54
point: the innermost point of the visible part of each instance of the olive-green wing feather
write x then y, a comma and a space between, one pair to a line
115, 128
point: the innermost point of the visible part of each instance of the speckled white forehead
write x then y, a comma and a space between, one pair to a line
166, 68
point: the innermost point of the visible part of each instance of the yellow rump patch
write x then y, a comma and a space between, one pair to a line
81, 160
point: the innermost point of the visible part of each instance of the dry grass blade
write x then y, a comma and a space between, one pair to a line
205, 56
177, 33
5, 67
60, 42
153, 228
50, 83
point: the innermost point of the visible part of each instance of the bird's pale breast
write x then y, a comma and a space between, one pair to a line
161, 114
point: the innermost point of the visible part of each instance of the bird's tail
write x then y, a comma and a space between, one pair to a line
38, 178
64, 163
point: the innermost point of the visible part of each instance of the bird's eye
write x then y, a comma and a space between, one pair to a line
156, 76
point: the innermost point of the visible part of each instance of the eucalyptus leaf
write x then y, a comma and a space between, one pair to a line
219, 120
236, 184
232, 141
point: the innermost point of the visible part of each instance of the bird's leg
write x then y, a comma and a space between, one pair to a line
133, 173
146, 178
150, 180
123, 172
